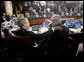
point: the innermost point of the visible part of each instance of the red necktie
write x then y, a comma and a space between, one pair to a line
2, 35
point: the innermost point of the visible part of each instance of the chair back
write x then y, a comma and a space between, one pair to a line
25, 39
25, 45
68, 50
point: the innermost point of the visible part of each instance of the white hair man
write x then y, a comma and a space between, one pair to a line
58, 38
55, 20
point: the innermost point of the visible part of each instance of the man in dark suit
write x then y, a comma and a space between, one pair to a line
23, 31
57, 42
58, 35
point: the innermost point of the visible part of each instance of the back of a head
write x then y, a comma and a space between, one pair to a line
56, 17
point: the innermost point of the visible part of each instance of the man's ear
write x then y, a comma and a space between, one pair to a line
22, 25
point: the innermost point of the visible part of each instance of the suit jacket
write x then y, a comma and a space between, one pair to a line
34, 37
59, 38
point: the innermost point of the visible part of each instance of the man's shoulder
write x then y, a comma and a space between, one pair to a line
24, 31
65, 27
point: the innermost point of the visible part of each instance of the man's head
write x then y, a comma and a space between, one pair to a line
55, 20
24, 23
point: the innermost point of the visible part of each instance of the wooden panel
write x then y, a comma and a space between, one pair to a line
75, 17
40, 20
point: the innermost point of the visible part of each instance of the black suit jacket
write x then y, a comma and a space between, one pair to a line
34, 37
59, 38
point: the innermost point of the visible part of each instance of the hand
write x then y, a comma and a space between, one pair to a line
10, 31
80, 47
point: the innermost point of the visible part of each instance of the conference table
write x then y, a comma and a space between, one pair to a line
37, 28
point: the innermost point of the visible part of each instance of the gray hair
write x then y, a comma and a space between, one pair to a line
21, 21
56, 17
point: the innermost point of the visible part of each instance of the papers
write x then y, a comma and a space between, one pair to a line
43, 29
46, 23
35, 32
75, 30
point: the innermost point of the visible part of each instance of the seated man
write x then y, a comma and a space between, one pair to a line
58, 38
58, 35
24, 31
